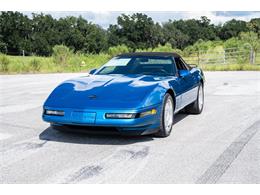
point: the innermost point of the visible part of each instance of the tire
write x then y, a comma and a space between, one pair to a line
167, 116
197, 106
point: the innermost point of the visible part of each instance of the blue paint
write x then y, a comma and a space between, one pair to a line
86, 100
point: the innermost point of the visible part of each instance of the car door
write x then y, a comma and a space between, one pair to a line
187, 83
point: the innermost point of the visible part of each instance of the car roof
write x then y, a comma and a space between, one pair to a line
158, 54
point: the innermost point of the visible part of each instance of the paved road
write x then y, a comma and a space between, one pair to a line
219, 146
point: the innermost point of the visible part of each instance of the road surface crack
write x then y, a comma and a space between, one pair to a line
219, 167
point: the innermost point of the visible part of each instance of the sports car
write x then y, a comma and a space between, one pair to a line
133, 93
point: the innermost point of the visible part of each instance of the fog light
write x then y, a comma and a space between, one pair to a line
149, 112
120, 115
54, 112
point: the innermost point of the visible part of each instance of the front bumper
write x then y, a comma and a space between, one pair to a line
96, 118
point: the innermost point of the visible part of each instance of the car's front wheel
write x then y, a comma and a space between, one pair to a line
167, 115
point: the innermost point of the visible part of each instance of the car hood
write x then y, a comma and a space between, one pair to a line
104, 92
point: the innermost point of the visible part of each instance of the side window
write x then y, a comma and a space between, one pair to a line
185, 64
107, 70
180, 64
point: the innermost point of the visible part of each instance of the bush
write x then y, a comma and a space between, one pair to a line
164, 48
4, 62
231, 67
113, 51
144, 50
2, 47
35, 64
161, 48
61, 54
233, 42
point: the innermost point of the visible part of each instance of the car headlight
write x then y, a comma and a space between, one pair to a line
149, 112
120, 115
54, 112
130, 115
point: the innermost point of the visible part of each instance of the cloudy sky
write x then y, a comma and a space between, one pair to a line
105, 18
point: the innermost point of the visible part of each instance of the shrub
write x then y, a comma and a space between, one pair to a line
161, 48
4, 62
61, 54
164, 48
2, 47
144, 50
35, 64
113, 51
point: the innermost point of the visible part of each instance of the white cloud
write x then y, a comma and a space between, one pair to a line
217, 18
105, 18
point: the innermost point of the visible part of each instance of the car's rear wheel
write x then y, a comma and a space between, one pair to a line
197, 106
167, 115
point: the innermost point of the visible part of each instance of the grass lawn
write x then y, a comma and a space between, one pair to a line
83, 63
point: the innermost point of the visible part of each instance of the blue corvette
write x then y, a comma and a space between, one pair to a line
133, 93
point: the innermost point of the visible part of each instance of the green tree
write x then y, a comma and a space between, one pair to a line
96, 40
80, 35
44, 35
113, 35
254, 25
232, 28
138, 31
174, 36
135, 31
251, 39
3, 47
15, 31
186, 32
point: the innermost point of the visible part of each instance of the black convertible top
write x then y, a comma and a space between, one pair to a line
159, 54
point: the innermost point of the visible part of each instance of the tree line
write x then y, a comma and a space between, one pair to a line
40, 33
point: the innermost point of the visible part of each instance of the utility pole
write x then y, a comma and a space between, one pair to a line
252, 55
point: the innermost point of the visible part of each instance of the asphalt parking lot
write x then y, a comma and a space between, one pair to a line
219, 146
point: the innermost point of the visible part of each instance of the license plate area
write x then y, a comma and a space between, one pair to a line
83, 117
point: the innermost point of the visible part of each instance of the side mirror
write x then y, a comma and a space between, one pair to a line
184, 73
92, 71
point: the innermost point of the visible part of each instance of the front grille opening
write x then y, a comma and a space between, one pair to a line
97, 130
90, 129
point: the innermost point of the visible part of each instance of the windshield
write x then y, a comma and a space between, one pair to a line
145, 65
